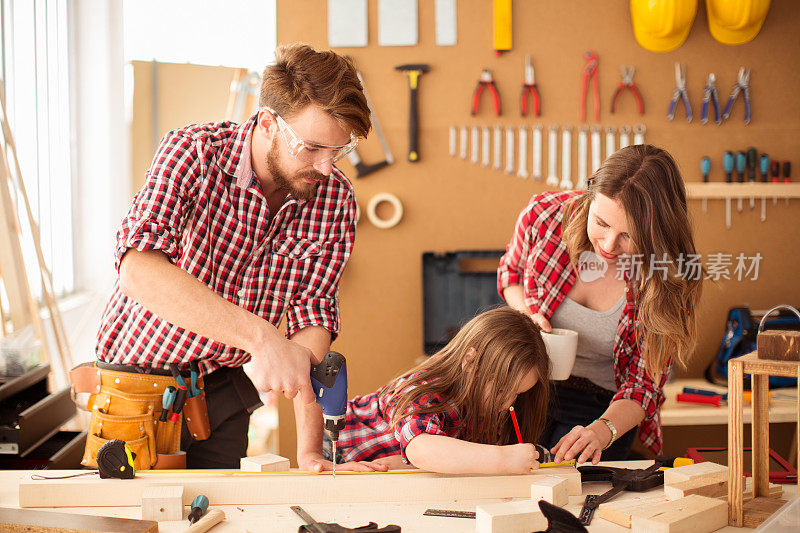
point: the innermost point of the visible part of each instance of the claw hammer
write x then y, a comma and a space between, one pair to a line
414, 71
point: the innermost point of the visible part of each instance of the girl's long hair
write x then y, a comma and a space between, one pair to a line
507, 346
647, 183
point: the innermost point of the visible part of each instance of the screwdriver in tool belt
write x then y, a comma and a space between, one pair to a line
166, 402
177, 405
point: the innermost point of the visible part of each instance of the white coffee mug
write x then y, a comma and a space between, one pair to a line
561, 346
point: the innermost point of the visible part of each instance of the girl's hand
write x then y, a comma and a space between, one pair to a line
519, 458
541, 321
316, 463
582, 442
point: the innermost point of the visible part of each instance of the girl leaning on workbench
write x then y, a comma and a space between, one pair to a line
634, 315
450, 413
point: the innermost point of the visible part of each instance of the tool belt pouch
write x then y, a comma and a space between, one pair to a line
195, 413
126, 408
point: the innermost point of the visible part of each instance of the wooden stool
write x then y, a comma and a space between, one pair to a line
761, 506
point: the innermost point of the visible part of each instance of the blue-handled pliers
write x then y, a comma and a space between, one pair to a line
742, 85
711, 94
680, 93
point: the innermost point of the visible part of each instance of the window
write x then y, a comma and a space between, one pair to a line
233, 33
34, 53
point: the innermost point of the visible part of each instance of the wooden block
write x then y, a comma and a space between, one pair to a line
759, 509
569, 473
27, 521
551, 489
269, 462
520, 516
693, 514
619, 512
294, 488
162, 502
699, 485
707, 470
778, 345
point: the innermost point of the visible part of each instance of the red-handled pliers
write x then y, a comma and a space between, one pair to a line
529, 86
590, 72
485, 80
627, 83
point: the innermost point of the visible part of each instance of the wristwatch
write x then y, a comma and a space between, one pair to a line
611, 428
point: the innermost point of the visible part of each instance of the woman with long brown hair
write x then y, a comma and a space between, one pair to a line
616, 263
451, 413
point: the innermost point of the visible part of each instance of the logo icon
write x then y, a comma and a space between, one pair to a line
591, 266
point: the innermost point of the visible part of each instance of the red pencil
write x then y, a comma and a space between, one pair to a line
516, 425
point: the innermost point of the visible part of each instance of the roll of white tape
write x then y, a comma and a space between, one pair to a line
372, 210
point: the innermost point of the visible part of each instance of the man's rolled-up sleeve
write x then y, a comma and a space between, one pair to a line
158, 213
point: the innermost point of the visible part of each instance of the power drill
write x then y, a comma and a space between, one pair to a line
329, 381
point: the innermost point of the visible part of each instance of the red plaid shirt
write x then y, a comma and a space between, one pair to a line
369, 435
538, 259
203, 207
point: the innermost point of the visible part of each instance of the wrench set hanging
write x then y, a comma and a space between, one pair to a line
506, 148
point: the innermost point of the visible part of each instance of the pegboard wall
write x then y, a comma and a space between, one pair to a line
451, 204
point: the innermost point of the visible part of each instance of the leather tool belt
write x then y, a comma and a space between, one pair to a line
126, 403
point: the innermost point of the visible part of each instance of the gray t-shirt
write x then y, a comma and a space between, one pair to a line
596, 332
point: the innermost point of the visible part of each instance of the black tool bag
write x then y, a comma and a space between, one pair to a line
739, 339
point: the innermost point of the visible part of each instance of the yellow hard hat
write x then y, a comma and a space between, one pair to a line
736, 21
662, 25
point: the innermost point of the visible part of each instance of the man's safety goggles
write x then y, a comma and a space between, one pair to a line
308, 152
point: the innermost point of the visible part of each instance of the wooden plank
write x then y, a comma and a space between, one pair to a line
759, 509
780, 345
693, 514
760, 435
509, 517
701, 486
282, 487
268, 462
162, 502
27, 521
620, 512
550, 489
735, 440
706, 470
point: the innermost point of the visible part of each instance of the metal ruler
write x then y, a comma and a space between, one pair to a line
450, 514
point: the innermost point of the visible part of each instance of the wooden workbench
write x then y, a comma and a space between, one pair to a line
279, 518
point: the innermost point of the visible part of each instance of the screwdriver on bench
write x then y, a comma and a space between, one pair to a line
198, 508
